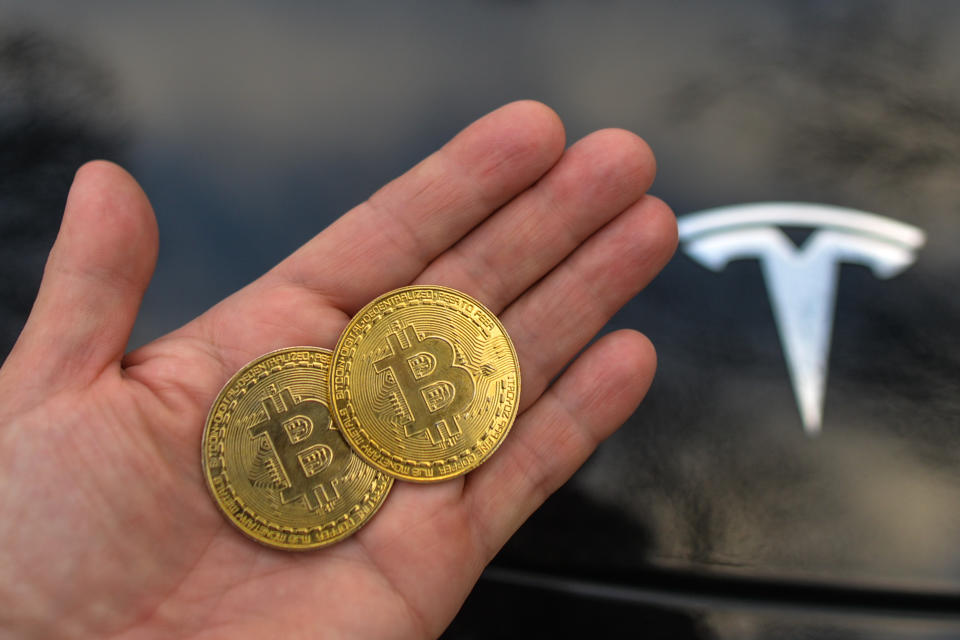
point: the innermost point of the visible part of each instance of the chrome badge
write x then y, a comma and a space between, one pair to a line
801, 281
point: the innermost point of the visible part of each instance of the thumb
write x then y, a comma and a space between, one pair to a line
95, 277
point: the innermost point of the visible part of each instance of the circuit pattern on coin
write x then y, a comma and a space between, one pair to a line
275, 462
425, 383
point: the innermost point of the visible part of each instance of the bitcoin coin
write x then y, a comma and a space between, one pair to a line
425, 383
275, 462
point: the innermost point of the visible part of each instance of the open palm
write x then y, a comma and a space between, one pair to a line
107, 527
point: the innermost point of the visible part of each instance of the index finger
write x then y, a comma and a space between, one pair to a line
385, 242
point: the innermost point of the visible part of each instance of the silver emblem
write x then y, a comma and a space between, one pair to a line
801, 281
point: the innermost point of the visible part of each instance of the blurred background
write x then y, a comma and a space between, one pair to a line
711, 514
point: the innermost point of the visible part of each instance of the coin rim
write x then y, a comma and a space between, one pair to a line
208, 481
355, 320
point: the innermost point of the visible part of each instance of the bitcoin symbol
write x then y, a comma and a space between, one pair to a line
300, 436
433, 387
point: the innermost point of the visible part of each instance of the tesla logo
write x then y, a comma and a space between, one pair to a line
801, 281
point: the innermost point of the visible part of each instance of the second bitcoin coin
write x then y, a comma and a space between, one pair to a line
425, 383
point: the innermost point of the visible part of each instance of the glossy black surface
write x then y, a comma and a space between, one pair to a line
252, 126
519, 605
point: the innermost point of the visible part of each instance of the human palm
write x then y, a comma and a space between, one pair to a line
108, 529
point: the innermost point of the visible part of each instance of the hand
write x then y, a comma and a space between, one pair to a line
108, 529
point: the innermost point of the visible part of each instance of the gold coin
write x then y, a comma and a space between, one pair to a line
275, 462
425, 383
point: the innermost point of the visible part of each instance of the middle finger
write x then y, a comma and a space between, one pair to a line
594, 180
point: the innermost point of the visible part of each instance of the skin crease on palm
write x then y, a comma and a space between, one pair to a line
108, 530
